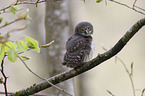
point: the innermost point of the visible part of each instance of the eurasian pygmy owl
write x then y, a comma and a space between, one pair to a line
79, 46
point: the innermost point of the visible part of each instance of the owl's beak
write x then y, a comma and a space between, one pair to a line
87, 31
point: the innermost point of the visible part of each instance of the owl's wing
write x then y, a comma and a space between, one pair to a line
75, 43
77, 48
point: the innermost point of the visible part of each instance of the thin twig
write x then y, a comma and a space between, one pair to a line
131, 73
62, 90
134, 4
20, 3
18, 29
139, 8
5, 77
110, 93
130, 76
8, 24
7, 92
25, 17
37, 2
127, 6
25, 2
143, 91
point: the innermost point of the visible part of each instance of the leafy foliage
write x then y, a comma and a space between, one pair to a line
12, 55
22, 46
32, 44
12, 49
2, 52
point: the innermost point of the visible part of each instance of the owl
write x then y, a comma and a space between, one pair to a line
79, 47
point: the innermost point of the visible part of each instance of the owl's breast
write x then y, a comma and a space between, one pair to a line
90, 55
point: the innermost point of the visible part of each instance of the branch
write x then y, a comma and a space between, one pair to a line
127, 71
142, 92
25, 2
110, 93
7, 93
60, 89
20, 3
87, 66
25, 17
5, 77
130, 75
139, 8
8, 23
133, 7
134, 3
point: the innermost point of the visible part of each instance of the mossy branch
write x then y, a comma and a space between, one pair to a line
87, 66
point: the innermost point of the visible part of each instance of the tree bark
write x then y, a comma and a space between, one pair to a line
57, 29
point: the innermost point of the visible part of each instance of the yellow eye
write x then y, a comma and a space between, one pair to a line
82, 29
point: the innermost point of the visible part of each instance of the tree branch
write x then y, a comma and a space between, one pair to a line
132, 8
129, 74
25, 2
20, 3
9, 23
60, 89
5, 77
87, 66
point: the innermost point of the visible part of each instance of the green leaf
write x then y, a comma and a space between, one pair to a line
1, 18
0, 47
12, 55
1, 80
32, 43
98, 1
2, 52
22, 46
131, 69
6, 23
13, 9
9, 45
34, 84
24, 58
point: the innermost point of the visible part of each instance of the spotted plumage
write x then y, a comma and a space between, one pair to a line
79, 46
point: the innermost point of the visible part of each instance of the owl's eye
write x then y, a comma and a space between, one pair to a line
89, 28
82, 29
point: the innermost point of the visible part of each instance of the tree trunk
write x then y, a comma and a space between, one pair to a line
57, 29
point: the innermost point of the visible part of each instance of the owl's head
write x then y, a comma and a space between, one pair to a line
84, 28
